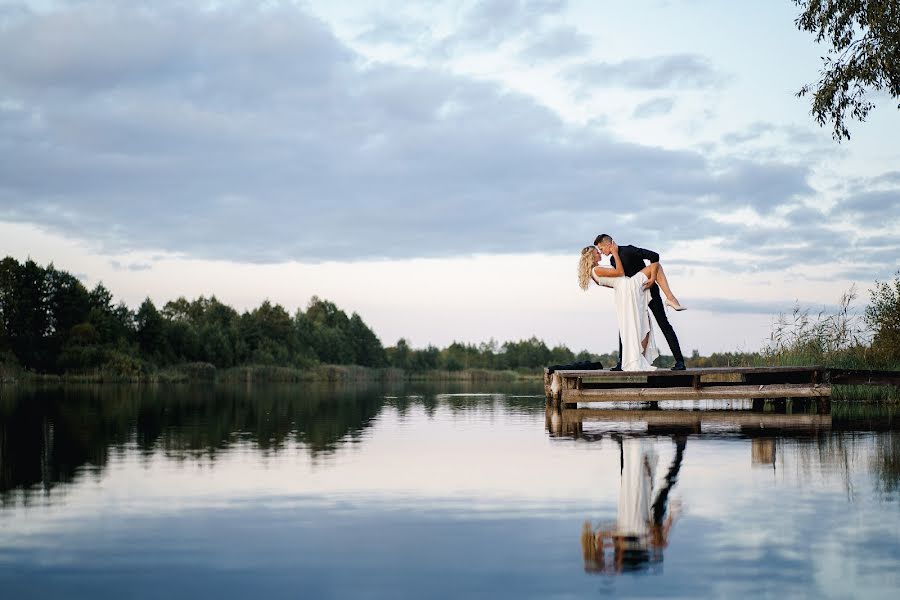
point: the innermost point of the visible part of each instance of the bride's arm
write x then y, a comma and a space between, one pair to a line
617, 271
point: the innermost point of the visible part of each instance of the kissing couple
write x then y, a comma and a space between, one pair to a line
636, 286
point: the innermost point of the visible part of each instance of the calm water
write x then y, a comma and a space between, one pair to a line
304, 492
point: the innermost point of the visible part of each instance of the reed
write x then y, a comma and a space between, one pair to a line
840, 339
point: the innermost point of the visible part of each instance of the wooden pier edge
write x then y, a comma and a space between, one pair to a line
784, 390
815, 381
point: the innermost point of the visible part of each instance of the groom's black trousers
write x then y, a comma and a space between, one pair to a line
656, 307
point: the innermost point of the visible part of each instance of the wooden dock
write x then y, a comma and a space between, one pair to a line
569, 387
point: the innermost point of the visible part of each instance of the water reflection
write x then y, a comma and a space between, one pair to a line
449, 491
49, 435
636, 539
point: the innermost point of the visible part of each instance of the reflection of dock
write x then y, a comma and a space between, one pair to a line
570, 422
565, 386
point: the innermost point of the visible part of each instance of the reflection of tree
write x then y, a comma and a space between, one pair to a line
863, 437
641, 532
48, 435
887, 462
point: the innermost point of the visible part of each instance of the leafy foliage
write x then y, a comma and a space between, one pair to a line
883, 317
864, 55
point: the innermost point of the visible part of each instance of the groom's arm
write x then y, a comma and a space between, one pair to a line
650, 255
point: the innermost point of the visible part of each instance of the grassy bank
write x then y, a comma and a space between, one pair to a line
207, 373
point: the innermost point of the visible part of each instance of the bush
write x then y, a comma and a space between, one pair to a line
124, 367
883, 317
197, 371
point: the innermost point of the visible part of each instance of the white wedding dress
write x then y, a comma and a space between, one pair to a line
636, 491
633, 316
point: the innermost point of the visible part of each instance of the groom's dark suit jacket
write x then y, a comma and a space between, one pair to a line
632, 262
633, 259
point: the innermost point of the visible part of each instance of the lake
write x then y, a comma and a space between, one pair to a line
438, 491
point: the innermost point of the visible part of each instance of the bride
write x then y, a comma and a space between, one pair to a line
632, 296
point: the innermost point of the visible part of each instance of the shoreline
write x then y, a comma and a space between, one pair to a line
208, 373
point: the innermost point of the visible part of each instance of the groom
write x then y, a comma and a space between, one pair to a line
632, 262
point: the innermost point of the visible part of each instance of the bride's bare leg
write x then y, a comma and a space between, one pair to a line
644, 343
663, 283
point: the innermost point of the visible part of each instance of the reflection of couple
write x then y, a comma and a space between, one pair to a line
636, 286
641, 530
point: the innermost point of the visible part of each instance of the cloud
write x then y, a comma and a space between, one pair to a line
752, 307
654, 108
763, 185
889, 178
676, 71
751, 133
253, 134
879, 204
492, 23
561, 42
792, 135
802, 215
491, 20
118, 266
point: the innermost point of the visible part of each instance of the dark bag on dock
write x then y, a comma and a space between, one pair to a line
579, 366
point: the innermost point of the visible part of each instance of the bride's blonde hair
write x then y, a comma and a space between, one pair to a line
585, 266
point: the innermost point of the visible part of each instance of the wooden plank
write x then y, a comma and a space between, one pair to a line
692, 418
701, 371
677, 383
787, 390
815, 373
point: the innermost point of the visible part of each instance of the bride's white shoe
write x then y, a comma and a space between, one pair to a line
675, 305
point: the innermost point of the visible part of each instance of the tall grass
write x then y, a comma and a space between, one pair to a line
840, 339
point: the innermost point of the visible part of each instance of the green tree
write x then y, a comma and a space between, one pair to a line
399, 355
883, 317
9, 268
561, 355
305, 334
488, 354
864, 55
68, 305
267, 334
331, 338
367, 348
151, 335
455, 357
426, 360
531, 353
25, 313
182, 341
177, 310
332, 346
114, 322
216, 328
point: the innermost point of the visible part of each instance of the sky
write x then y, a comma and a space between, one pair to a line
436, 166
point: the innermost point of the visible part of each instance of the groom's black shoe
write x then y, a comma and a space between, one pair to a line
678, 366
616, 368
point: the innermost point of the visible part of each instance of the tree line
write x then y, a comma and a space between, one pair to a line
51, 323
